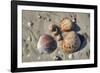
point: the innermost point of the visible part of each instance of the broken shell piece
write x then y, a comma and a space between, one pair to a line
71, 42
49, 19
46, 44
59, 37
30, 24
70, 56
55, 30
55, 33
39, 16
66, 24
29, 39
58, 58
28, 55
52, 27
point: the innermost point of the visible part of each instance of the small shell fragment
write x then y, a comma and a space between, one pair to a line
39, 16
70, 56
30, 24
55, 33
58, 58
29, 39
52, 28
55, 30
59, 37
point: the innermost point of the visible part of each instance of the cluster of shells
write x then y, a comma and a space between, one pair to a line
64, 34
71, 40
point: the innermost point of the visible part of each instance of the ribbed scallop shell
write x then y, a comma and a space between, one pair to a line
66, 24
46, 44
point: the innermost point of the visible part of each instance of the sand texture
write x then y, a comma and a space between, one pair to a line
36, 23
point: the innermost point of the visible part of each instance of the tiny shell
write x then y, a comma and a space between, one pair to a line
71, 42
52, 27
59, 37
29, 39
58, 58
46, 44
55, 33
70, 56
30, 24
66, 24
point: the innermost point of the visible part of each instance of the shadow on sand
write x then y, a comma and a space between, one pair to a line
82, 37
75, 28
83, 42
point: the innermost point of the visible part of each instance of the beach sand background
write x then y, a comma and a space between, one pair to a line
40, 21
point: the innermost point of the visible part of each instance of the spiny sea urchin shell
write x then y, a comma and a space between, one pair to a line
46, 44
66, 24
71, 42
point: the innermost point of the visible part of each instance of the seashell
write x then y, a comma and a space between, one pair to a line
55, 33
59, 37
29, 38
55, 30
49, 19
71, 42
46, 44
30, 24
52, 27
66, 24
57, 58
70, 56
39, 16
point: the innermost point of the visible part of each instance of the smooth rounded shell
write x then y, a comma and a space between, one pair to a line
46, 44
66, 24
71, 42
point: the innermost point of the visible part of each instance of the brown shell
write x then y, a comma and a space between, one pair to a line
66, 24
71, 42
